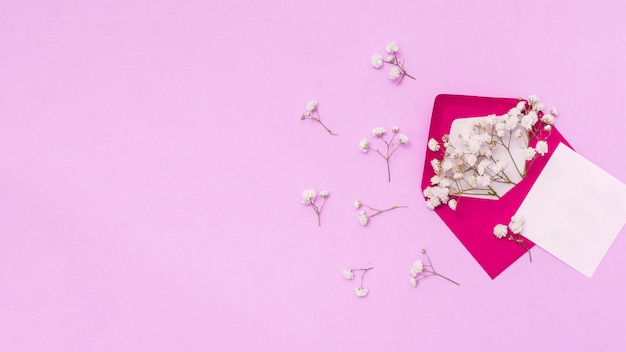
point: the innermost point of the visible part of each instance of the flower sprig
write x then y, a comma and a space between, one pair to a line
312, 113
423, 271
348, 274
392, 144
515, 226
398, 70
472, 168
308, 198
364, 218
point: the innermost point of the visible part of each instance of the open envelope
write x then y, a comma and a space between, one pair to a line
474, 219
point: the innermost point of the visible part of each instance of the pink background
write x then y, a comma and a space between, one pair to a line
152, 161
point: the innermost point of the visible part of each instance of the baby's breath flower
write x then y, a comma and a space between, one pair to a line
313, 114
500, 231
377, 61
541, 147
348, 274
363, 219
378, 131
420, 271
364, 145
311, 106
516, 224
554, 112
529, 153
361, 292
433, 145
392, 47
308, 196
417, 268
357, 204
394, 73
548, 128
392, 143
452, 203
548, 119
398, 70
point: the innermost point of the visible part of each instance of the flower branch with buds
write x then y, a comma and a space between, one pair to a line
364, 218
312, 113
397, 72
420, 271
348, 274
308, 198
515, 226
392, 144
483, 155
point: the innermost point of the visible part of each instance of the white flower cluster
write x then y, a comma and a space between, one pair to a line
312, 113
392, 144
473, 168
308, 198
348, 274
420, 271
364, 218
397, 70
515, 226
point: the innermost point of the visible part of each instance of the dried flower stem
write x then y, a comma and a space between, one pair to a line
434, 272
317, 118
318, 211
380, 211
520, 240
391, 148
400, 65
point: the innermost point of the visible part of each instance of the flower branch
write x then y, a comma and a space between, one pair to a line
390, 145
312, 113
423, 271
309, 199
348, 274
364, 218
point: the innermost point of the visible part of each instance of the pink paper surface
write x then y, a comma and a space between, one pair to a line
474, 219
152, 160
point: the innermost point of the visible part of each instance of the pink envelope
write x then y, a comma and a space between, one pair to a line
473, 220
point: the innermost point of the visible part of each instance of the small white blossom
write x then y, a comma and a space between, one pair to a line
516, 224
470, 159
361, 292
548, 119
392, 47
452, 203
377, 61
364, 145
363, 218
436, 164
413, 281
311, 106
527, 122
500, 231
538, 107
554, 112
348, 274
521, 105
533, 99
548, 127
308, 196
403, 139
417, 268
395, 129
357, 204
389, 59
541, 147
435, 180
433, 145
378, 131
394, 73
529, 153
324, 194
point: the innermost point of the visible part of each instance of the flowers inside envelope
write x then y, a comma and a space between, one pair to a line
474, 219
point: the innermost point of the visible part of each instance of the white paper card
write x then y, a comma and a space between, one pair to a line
574, 210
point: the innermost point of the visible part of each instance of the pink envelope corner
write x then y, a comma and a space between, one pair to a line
473, 220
